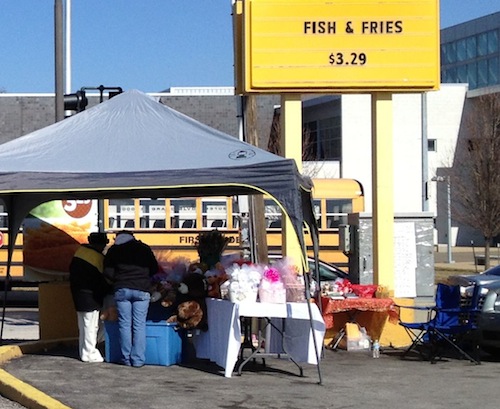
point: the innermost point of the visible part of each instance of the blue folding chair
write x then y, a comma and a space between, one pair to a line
449, 325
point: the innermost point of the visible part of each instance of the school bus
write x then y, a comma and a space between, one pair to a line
171, 225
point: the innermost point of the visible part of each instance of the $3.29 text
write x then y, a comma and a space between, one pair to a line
347, 59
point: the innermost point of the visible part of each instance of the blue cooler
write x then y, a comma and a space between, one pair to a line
163, 343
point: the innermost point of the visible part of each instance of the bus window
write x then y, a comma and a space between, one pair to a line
272, 213
317, 211
214, 213
337, 211
3, 218
152, 213
183, 213
122, 213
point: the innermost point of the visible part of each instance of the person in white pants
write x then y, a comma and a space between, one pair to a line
88, 288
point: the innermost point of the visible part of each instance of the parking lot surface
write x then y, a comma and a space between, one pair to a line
349, 380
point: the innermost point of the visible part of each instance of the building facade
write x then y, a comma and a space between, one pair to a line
337, 128
470, 53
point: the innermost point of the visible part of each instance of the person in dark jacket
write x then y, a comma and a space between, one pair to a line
88, 288
129, 264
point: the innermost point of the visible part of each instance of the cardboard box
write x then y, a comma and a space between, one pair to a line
163, 343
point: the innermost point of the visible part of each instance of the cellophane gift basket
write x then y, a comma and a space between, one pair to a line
293, 281
244, 282
272, 288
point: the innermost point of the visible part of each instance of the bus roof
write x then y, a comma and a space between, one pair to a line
337, 188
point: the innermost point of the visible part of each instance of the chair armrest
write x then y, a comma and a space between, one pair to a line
430, 310
416, 307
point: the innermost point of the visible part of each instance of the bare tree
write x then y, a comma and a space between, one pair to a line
308, 144
475, 176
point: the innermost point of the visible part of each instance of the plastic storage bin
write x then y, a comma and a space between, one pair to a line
163, 343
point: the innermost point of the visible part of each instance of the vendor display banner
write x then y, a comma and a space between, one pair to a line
51, 234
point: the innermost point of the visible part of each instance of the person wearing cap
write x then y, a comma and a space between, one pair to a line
88, 288
129, 264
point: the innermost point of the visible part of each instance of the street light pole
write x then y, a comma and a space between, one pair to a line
448, 211
448, 216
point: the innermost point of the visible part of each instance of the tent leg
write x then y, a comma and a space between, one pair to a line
311, 323
4, 307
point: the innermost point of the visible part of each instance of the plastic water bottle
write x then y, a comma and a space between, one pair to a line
376, 349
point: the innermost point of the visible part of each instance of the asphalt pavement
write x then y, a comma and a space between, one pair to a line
349, 380
51, 376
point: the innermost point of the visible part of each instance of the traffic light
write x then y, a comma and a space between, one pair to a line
75, 102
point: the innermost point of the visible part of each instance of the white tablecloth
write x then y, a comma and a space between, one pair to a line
221, 343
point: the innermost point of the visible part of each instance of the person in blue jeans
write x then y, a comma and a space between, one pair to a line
129, 265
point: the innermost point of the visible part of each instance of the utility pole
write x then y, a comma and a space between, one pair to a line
258, 226
59, 64
446, 179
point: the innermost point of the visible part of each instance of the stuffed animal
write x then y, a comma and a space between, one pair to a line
109, 311
191, 308
215, 277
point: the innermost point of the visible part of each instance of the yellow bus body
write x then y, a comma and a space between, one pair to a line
161, 223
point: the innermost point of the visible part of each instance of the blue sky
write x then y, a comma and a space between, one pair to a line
148, 45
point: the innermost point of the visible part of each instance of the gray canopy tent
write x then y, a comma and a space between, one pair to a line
133, 146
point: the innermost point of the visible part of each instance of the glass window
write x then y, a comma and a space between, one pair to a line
471, 47
337, 211
330, 139
461, 50
449, 75
482, 73
452, 74
450, 53
472, 75
432, 145
214, 213
493, 42
272, 213
482, 44
183, 213
310, 140
3, 217
152, 213
462, 74
322, 139
493, 71
121, 213
317, 211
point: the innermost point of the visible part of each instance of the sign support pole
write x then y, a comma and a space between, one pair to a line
291, 126
383, 190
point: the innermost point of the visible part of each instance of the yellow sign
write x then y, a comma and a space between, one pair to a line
339, 45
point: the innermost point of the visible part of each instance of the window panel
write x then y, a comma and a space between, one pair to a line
482, 44
451, 53
121, 213
272, 213
482, 73
493, 71
214, 213
493, 42
152, 213
472, 75
461, 50
183, 213
462, 74
337, 211
471, 47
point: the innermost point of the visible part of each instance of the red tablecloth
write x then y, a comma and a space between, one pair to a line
330, 307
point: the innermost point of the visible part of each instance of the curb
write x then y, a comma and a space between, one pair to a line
19, 391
